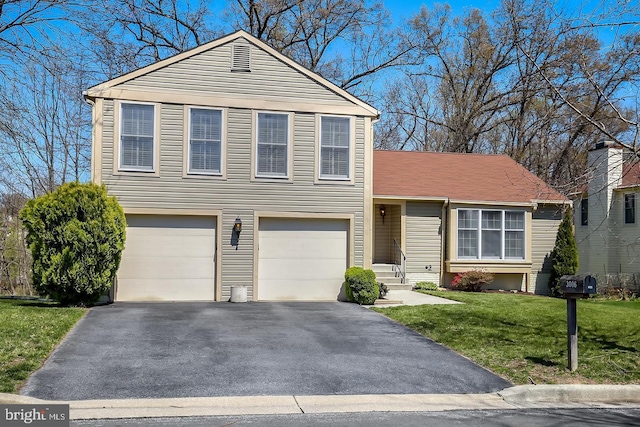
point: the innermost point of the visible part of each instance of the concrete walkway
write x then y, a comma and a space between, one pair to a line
518, 397
413, 298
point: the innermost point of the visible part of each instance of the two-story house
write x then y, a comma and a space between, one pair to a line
237, 166
605, 217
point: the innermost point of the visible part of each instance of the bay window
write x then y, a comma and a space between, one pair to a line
491, 234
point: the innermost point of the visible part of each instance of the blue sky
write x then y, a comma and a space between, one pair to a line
403, 9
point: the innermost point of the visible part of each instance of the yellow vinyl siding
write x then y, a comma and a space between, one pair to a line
423, 241
544, 229
209, 73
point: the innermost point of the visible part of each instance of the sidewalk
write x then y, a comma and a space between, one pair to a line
518, 397
399, 297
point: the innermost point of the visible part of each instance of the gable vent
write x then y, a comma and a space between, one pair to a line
241, 57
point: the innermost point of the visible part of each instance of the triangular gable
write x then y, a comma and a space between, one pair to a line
101, 89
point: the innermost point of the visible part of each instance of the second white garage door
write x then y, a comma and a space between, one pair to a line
168, 258
302, 259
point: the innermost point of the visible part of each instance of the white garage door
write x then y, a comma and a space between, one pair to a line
301, 259
168, 258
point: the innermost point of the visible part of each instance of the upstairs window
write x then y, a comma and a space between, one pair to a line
630, 208
137, 137
335, 147
272, 145
584, 211
205, 141
491, 234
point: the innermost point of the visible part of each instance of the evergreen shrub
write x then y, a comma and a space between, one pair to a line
564, 256
361, 286
76, 235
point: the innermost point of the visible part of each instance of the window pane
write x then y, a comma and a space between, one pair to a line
272, 128
584, 212
272, 144
514, 244
205, 156
335, 162
514, 220
467, 233
491, 244
335, 131
206, 124
137, 119
629, 208
491, 234
205, 140
492, 220
137, 152
467, 244
467, 218
272, 159
334, 147
137, 136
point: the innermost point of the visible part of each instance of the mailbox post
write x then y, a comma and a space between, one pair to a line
574, 287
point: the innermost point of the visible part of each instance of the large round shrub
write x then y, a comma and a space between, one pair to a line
76, 235
361, 285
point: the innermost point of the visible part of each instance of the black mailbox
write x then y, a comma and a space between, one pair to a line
578, 284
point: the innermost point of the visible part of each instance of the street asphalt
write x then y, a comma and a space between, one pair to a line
575, 417
160, 350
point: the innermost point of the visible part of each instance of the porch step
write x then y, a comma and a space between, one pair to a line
382, 268
397, 286
385, 273
380, 301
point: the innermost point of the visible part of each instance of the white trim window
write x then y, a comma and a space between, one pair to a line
272, 158
137, 136
205, 141
630, 208
335, 147
491, 234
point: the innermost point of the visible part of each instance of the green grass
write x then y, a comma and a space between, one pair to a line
29, 331
523, 338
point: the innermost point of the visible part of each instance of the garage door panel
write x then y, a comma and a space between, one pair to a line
168, 258
304, 269
301, 259
170, 222
301, 248
160, 289
174, 268
289, 290
196, 246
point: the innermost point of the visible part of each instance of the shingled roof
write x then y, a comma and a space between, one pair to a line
631, 174
457, 177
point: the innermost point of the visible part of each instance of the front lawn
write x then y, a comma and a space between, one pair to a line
29, 331
523, 338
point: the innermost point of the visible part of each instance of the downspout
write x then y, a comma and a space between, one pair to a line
91, 102
443, 239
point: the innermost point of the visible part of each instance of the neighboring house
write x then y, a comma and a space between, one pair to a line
605, 217
452, 212
237, 166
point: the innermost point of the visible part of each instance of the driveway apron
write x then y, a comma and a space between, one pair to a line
156, 350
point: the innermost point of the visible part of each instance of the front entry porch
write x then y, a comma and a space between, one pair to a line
388, 256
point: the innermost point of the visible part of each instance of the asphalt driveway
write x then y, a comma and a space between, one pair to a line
154, 350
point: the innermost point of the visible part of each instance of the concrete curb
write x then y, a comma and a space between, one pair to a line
571, 393
524, 396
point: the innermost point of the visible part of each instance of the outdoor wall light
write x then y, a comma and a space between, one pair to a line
383, 212
237, 225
